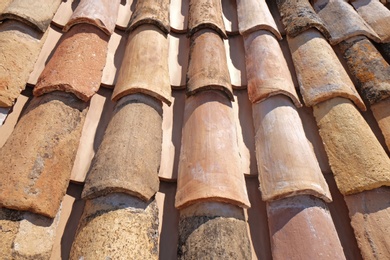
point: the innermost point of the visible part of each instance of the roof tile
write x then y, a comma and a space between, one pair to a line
229, 15
381, 112
66, 71
126, 9
178, 15
320, 74
35, 13
151, 12
64, 12
4, 4
178, 59
103, 14
235, 57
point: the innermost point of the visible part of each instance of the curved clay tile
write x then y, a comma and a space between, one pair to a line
235, 57
381, 112
20, 46
301, 227
100, 13
66, 71
267, 70
229, 15
63, 14
117, 226
35, 13
368, 67
282, 171
41, 150
376, 15
144, 66
178, 15
209, 166
206, 14
207, 67
298, 16
356, 157
254, 15
320, 74
129, 157
151, 12
342, 21
179, 51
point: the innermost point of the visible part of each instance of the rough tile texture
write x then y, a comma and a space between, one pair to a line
207, 67
35, 13
151, 12
381, 111
144, 67
320, 73
206, 14
101, 13
370, 215
301, 227
267, 70
4, 4
254, 15
298, 16
129, 157
66, 71
344, 130
282, 171
213, 231
20, 46
41, 151
342, 21
117, 226
369, 68
209, 165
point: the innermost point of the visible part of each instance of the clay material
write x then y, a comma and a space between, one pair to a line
267, 70
101, 13
207, 67
206, 14
370, 215
209, 165
381, 112
282, 171
144, 67
320, 73
20, 46
37, 159
178, 15
213, 231
129, 157
67, 71
117, 226
35, 13
4, 4
301, 227
298, 16
151, 12
356, 157
367, 65
254, 15
342, 21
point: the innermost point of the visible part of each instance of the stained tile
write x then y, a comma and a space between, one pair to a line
66, 71
320, 74
209, 166
298, 16
282, 171
35, 13
206, 14
117, 226
267, 70
144, 67
178, 15
207, 67
229, 15
254, 15
102, 14
129, 157
20, 47
235, 57
151, 12
342, 20
179, 50
41, 150
343, 130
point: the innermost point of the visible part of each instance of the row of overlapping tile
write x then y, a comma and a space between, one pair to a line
209, 171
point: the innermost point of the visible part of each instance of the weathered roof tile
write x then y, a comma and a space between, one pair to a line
151, 12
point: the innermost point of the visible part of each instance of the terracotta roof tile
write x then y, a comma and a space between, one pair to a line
208, 71
146, 54
64, 12
103, 14
206, 14
254, 15
4, 4
342, 21
381, 113
35, 13
235, 57
178, 59
178, 15
126, 9
229, 15
151, 12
